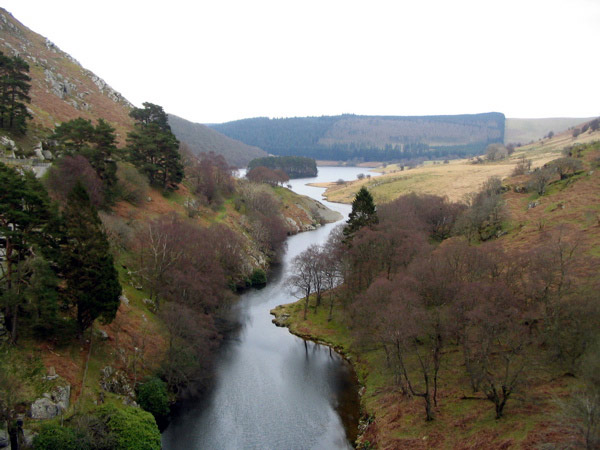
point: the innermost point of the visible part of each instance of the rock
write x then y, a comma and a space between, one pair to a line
28, 436
102, 335
116, 381
4, 439
124, 300
281, 320
61, 396
148, 199
149, 303
532, 205
51, 404
44, 408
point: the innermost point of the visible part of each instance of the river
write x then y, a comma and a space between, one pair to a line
274, 390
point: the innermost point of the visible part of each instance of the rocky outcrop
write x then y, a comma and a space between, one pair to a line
116, 381
51, 404
307, 214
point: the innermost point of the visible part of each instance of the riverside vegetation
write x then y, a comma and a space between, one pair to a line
118, 267
469, 324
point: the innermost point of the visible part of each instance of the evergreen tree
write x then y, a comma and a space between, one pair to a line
153, 148
363, 213
97, 144
92, 281
14, 93
24, 215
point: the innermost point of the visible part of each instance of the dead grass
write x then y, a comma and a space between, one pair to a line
454, 180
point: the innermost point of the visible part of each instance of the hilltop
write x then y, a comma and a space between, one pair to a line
370, 138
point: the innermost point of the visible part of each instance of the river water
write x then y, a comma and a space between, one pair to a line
274, 390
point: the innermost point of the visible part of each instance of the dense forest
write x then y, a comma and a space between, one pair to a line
370, 138
293, 166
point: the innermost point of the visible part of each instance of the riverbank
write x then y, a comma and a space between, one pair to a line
317, 328
391, 420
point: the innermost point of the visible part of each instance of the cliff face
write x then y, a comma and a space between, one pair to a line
61, 89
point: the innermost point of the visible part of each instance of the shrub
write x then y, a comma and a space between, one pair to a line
134, 428
52, 437
258, 277
153, 397
132, 186
63, 177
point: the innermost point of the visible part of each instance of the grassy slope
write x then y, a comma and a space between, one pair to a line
527, 130
455, 179
84, 98
398, 421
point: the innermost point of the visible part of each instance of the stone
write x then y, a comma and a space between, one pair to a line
532, 205
116, 381
51, 404
4, 439
44, 408
61, 396
28, 436
124, 300
103, 335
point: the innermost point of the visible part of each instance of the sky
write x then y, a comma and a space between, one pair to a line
221, 60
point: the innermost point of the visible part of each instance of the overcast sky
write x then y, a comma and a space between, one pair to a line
220, 60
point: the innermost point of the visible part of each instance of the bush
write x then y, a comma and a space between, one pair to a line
134, 428
258, 278
153, 397
132, 186
53, 437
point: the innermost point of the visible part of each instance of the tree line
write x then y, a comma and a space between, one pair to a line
369, 138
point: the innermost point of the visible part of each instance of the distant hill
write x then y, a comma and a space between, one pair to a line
370, 138
61, 89
524, 131
202, 139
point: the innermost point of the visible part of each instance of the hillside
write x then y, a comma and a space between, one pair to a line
455, 179
538, 340
370, 138
525, 131
61, 89
202, 139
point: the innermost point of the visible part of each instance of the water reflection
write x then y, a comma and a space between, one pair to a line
274, 390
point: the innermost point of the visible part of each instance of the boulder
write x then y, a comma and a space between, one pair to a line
51, 404
44, 408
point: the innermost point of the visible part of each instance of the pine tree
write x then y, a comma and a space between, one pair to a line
363, 213
153, 148
92, 281
14, 93
97, 144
